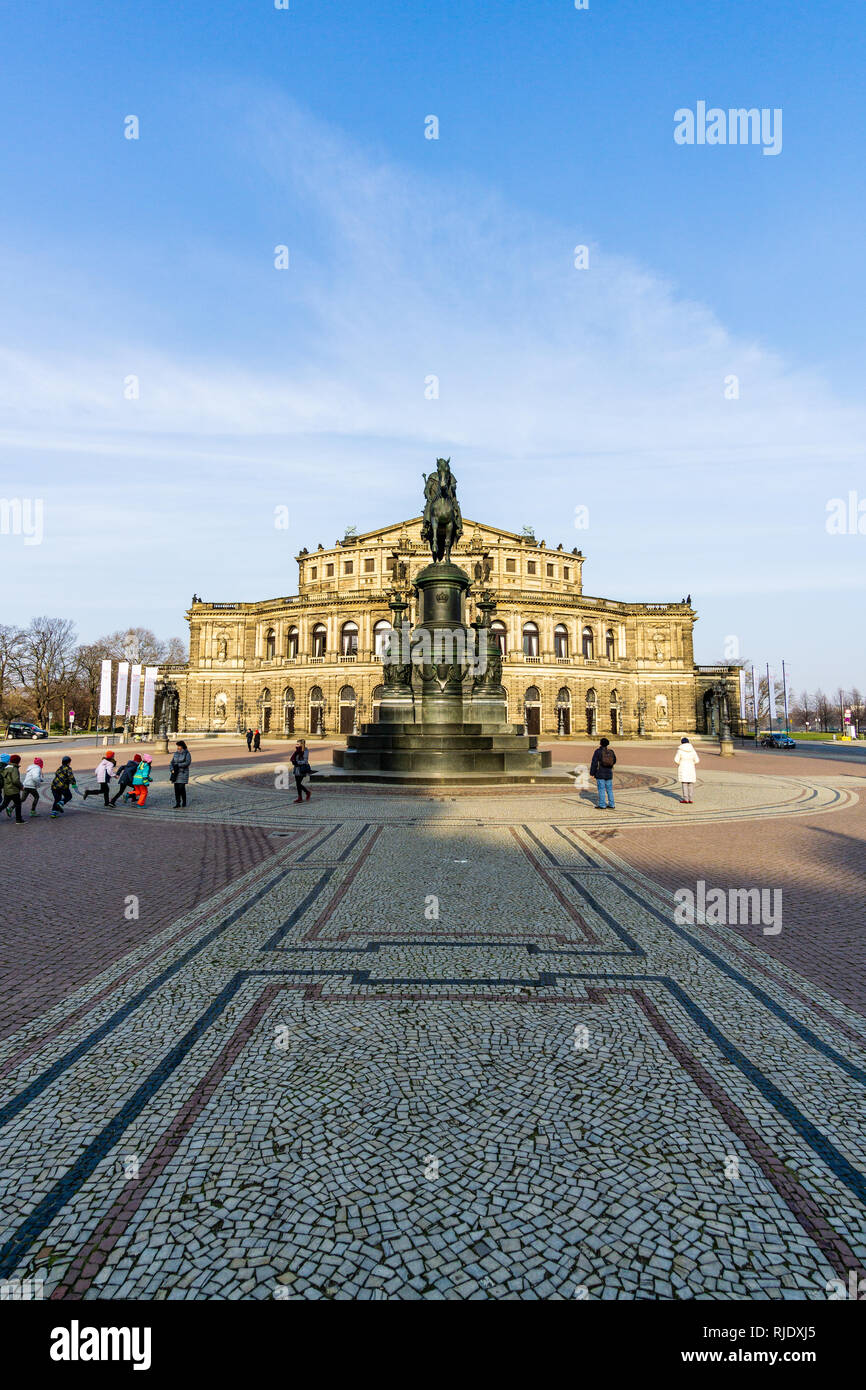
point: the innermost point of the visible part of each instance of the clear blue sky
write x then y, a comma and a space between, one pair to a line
410, 257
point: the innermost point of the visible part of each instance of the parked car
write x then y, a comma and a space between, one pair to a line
777, 741
25, 728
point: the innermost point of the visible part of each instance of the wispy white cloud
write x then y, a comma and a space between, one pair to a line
556, 385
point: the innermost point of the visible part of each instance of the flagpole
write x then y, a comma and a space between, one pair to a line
769, 701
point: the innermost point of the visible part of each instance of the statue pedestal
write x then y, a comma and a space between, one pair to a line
441, 642
726, 748
455, 729
398, 708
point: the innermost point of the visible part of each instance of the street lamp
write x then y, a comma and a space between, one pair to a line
641, 715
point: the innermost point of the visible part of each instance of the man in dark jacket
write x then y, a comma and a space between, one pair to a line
601, 768
249, 740
125, 776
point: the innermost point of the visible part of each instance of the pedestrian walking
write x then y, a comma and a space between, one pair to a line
141, 781
249, 740
601, 768
125, 776
301, 763
104, 773
61, 787
12, 789
33, 779
686, 760
179, 773
257, 741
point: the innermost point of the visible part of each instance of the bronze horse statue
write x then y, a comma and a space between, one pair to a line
443, 525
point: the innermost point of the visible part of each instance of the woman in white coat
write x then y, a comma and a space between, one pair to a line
686, 760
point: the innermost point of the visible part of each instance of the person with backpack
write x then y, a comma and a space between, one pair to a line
104, 772
125, 776
33, 779
12, 789
178, 773
141, 781
686, 760
301, 763
61, 787
601, 768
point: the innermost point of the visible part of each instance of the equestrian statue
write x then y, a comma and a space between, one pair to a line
443, 524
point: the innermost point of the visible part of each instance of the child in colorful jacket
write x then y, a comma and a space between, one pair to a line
61, 787
141, 781
12, 788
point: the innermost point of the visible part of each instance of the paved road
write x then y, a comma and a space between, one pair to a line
439, 1046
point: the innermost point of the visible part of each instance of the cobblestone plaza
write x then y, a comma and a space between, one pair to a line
455, 1044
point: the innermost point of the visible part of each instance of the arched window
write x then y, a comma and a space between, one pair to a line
587, 643
292, 643
348, 708
499, 632
560, 640
530, 639
375, 701
349, 639
609, 645
614, 712
591, 712
270, 644
265, 711
532, 710
288, 710
317, 710
320, 640
563, 711
381, 629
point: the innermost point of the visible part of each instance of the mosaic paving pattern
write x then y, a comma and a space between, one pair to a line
441, 1047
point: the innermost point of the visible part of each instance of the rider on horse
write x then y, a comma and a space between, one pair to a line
443, 525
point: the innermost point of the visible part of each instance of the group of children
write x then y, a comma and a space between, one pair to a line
133, 780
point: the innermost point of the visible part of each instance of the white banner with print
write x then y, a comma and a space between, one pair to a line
150, 674
134, 689
105, 689
122, 680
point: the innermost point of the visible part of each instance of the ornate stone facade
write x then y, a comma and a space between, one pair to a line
572, 664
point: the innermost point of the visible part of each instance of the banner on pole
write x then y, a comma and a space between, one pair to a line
771, 692
150, 673
755, 705
134, 689
742, 694
105, 689
122, 679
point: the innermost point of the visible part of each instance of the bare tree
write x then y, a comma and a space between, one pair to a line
175, 652
823, 710
89, 673
138, 644
46, 662
10, 647
803, 711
